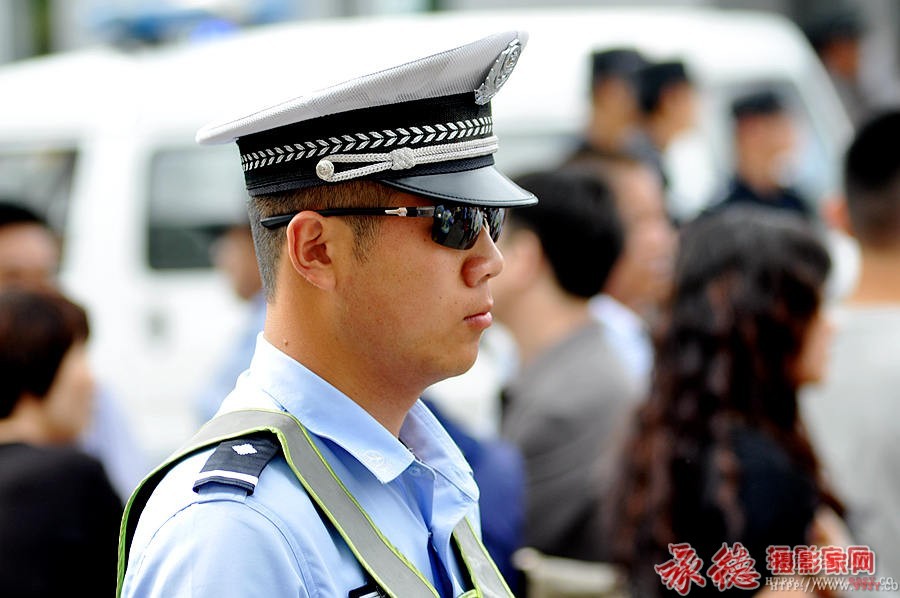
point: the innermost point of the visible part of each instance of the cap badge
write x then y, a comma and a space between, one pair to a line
499, 73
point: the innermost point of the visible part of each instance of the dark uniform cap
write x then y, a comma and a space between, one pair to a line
424, 127
826, 25
657, 76
758, 103
616, 62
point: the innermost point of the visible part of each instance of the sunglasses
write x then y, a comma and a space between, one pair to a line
454, 226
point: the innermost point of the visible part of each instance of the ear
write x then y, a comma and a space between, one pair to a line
307, 248
836, 213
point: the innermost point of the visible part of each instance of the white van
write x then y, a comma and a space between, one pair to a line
103, 143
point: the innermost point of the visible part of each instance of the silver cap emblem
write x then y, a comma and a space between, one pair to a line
499, 73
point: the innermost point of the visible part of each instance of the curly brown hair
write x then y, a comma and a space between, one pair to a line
747, 285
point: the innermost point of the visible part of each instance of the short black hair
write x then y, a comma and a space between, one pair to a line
834, 23
872, 180
578, 227
759, 103
616, 63
17, 212
37, 329
655, 78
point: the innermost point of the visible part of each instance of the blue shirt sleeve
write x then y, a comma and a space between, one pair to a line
218, 549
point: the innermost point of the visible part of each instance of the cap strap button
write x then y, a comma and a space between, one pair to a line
325, 170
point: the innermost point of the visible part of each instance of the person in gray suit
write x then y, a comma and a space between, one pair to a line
564, 405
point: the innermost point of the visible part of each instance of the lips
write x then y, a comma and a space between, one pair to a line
482, 318
483, 310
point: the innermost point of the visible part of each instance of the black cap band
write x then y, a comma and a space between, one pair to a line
287, 157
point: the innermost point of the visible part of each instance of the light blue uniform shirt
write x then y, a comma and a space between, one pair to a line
221, 542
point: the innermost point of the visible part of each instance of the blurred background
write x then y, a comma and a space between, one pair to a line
101, 99
31, 27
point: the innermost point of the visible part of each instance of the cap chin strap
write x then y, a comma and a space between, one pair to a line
403, 158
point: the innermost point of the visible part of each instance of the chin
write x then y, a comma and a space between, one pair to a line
461, 365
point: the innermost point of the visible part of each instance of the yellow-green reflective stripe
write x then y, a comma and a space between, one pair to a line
488, 580
392, 579
388, 567
358, 530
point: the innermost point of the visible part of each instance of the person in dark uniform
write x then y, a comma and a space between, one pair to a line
614, 102
837, 32
764, 138
667, 101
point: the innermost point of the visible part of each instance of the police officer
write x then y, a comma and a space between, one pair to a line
764, 141
375, 210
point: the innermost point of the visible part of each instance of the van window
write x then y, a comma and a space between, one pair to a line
194, 193
40, 177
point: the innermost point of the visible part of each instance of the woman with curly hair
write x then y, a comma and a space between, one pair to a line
719, 454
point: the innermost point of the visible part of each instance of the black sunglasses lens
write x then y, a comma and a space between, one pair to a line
495, 217
456, 227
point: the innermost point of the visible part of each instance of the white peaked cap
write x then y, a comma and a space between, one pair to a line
424, 126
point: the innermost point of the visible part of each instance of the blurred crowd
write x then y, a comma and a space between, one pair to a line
659, 381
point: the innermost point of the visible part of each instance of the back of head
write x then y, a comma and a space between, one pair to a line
834, 22
37, 329
578, 227
656, 78
748, 282
17, 212
764, 102
872, 181
747, 285
617, 63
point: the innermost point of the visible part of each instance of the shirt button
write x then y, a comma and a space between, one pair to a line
415, 471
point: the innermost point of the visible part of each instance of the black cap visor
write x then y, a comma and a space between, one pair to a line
485, 186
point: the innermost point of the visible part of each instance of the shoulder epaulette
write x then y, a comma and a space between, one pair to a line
239, 462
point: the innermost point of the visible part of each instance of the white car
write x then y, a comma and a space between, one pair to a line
103, 142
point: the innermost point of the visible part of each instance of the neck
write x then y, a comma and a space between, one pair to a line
878, 279
24, 424
758, 178
368, 384
540, 320
660, 133
607, 134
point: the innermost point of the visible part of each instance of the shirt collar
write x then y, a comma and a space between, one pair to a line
328, 413
617, 315
432, 445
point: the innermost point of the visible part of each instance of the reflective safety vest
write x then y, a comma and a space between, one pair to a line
393, 573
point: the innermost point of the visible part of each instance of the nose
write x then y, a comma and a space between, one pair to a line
483, 261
